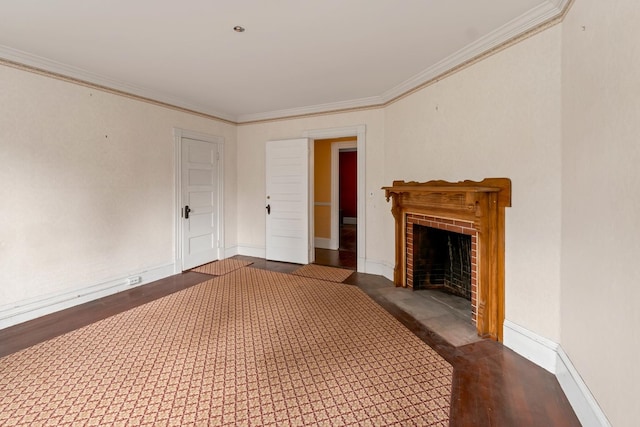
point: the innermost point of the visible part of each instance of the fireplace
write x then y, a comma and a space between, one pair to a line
473, 214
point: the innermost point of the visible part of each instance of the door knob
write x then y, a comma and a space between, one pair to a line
187, 209
268, 209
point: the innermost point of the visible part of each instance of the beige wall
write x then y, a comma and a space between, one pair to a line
87, 190
601, 202
498, 118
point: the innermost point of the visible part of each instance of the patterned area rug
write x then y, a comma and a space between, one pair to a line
252, 347
218, 268
322, 272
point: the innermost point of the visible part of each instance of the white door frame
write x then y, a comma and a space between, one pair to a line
178, 134
359, 132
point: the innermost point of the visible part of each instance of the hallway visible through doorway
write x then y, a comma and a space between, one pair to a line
335, 192
346, 255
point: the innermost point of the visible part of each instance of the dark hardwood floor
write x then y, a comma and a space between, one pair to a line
492, 385
26, 334
346, 255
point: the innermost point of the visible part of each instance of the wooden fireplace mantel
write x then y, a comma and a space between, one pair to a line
481, 203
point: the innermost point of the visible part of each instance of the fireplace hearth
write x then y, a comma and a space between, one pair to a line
474, 210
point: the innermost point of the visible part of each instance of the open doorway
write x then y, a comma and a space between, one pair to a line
359, 133
335, 202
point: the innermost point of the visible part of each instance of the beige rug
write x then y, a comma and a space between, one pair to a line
322, 272
219, 268
250, 348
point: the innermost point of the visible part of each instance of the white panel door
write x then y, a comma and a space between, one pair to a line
287, 203
200, 233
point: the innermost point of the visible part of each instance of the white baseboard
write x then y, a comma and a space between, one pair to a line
254, 251
550, 356
380, 268
582, 401
22, 311
324, 243
530, 345
229, 252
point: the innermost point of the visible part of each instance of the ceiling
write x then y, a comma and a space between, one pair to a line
295, 57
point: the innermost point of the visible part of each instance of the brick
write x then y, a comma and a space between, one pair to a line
454, 229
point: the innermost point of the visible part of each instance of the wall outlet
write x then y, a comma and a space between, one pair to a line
134, 280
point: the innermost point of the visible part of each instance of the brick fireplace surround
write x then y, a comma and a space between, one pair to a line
468, 207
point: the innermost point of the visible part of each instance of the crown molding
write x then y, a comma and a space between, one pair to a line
59, 70
526, 22
529, 21
332, 107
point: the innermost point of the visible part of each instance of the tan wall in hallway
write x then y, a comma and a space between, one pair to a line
323, 184
322, 187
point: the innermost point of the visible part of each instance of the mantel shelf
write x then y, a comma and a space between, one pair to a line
488, 185
440, 189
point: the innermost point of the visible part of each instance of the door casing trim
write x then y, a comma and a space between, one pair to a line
178, 135
359, 131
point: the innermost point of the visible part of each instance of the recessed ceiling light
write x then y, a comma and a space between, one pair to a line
238, 29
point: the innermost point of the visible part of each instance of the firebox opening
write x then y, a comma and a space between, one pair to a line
442, 260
